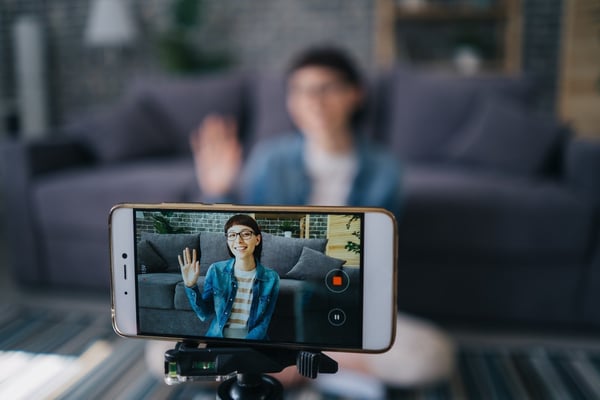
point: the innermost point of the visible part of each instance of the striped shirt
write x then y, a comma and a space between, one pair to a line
240, 310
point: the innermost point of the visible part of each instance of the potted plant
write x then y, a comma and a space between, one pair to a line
178, 41
162, 223
288, 228
352, 246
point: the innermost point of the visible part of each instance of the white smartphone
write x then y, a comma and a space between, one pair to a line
303, 277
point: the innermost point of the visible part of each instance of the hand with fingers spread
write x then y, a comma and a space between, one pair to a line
217, 155
190, 267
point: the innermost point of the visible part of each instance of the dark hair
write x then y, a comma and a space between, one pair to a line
328, 57
338, 61
243, 219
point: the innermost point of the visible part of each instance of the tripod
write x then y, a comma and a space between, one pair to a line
242, 369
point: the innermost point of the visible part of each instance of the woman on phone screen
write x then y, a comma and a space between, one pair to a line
239, 293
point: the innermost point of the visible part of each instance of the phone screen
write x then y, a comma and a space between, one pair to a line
282, 277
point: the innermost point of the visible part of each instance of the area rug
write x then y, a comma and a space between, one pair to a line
58, 354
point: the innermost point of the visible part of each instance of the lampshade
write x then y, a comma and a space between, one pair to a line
109, 24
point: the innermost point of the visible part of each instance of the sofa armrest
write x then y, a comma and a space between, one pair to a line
20, 163
44, 156
582, 166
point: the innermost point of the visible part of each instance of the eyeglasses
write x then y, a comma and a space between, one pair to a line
245, 235
325, 89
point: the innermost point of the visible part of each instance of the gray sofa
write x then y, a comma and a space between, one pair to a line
501, 209
300, 263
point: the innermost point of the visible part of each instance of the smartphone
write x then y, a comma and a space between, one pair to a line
302, 277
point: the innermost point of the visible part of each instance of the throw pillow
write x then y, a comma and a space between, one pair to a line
507, 138
281, 254
148, 259
213, 246
313, 265
179, 105
122, 132
169, 246
425, 111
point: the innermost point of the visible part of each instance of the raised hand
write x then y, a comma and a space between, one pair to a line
217, 155
190, 267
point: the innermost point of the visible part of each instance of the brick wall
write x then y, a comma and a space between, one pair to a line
214, 222
189, 222
258, 34
264, 34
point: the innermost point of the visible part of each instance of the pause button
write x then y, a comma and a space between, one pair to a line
337, 317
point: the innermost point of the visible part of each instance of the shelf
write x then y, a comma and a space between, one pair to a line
497, 25
487, 67
433, 12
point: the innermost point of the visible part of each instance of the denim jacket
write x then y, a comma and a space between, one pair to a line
218, 294
276, 174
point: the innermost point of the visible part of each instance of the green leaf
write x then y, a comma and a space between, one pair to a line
186, 13
352, 247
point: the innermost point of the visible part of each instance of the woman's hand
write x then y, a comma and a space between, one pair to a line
217, 155
190, 267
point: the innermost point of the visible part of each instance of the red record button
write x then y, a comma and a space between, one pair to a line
337, 280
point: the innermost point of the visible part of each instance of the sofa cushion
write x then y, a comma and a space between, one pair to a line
68, 261
507, 138
181, 301
281, 253
148, 259
72, 209
171, 245
477, 218
214, 248
179, 105
157, 290
122, 132
582, 166
425, 111
269, 116
313, 265
353, 273
76, 203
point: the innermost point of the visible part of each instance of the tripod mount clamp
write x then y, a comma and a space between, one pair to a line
188, 362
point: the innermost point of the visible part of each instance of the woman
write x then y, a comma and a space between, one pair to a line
326, 162
239, 293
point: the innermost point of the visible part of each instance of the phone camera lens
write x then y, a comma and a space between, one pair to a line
124, 255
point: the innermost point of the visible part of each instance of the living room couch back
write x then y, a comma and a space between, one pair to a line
159, 252
420, 117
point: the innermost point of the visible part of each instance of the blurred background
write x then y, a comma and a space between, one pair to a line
493, 107
84, 67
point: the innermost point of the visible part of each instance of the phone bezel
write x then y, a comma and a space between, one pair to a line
123, 286
379, 283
